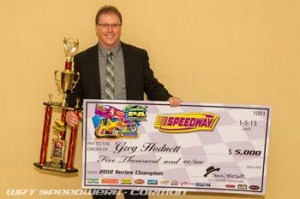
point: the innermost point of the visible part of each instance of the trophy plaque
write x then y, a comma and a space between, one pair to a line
66, 81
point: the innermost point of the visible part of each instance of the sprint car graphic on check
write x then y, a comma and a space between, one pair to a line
115, 128
112, 122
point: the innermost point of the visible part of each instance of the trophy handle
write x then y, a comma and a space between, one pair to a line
75, 81
57, 76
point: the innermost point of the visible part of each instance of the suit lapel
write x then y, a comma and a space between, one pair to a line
94, 68
127, 68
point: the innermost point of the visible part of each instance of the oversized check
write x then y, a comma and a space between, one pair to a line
149, 145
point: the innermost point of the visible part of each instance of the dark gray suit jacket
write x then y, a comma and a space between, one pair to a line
139, 77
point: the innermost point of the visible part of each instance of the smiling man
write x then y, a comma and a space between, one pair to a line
132, 75
108, 27
114, 70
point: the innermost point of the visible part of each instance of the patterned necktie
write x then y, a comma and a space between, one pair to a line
109, 77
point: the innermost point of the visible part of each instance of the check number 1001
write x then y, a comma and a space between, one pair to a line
259, 113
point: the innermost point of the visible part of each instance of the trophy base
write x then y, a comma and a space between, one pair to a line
62, 169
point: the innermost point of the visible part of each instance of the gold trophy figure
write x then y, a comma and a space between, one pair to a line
66, 81
70, 47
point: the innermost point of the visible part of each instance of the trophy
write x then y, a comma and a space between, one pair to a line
66, 81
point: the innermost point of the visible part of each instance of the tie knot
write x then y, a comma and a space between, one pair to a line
109, 54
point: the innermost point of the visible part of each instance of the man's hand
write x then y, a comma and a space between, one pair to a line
174, 101
72, 119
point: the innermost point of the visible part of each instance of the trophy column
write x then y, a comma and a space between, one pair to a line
66, 80
72, 145
46, 132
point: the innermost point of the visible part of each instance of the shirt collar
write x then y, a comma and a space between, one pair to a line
115, 50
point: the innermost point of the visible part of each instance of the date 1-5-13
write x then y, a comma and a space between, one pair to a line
247, 124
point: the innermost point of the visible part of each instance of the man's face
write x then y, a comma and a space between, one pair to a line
108, 30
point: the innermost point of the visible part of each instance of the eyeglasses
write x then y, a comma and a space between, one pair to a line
106, 25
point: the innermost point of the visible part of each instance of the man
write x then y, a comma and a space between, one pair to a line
114, 70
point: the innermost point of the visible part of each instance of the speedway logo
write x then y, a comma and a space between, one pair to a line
185, 122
